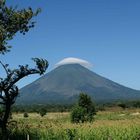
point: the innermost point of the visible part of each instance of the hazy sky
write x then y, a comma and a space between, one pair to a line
104, 32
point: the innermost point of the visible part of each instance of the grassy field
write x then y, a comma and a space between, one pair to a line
114, 124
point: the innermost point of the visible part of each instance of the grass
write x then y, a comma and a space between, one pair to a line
108, 125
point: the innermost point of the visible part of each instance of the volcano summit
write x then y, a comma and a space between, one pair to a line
63, 85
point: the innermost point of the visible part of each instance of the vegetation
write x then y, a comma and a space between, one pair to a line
118, 125
84, 110
112, 124
42, 112
122, 105
68, 108
78, 114
13, 21
37, 108
25, 115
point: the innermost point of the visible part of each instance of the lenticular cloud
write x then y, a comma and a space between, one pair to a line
72, 60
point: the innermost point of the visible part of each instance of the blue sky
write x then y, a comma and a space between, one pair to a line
104, 32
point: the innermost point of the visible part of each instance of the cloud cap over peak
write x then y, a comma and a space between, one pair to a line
72, 60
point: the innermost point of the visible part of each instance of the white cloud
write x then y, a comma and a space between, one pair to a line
72, 60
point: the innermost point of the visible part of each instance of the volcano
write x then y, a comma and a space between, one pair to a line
63, 85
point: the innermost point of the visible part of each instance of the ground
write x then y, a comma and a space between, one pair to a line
113, 124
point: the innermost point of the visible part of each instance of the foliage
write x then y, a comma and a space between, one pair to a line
122, 105
42, 112
136, 104
84, 111
25, 115
8, 89
53, 127
71, 133
13, 21
77, 114
86, 103
84, 133
36, 108
68, 107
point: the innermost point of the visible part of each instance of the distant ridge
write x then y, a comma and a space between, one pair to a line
63, 84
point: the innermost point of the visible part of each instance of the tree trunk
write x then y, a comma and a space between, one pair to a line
5, 121
4, 133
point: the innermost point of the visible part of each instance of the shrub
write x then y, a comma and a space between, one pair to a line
25, 115
42, 112
84, 110
77, 114
122, 105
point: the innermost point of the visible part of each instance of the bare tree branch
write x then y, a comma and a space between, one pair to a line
5, 68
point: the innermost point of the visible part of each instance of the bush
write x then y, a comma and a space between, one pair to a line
77, 114
42, 112
25, 115
122, 105
84, 110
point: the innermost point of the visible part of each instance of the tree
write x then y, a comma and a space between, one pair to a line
78, 114
136, 104
42, 111
13, 21
84, 110
122, 105
25, 115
